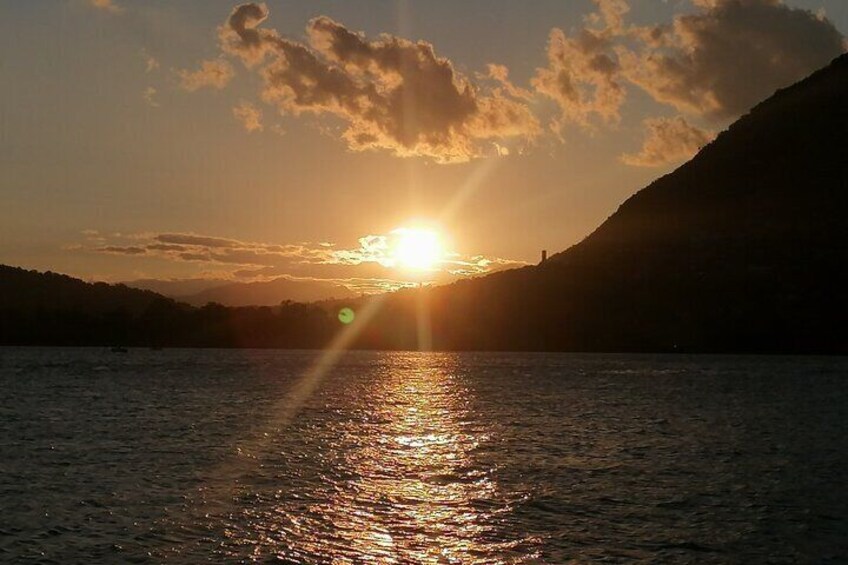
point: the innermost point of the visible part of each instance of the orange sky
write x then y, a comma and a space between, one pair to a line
207, 139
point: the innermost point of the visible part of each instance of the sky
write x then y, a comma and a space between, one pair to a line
212, 139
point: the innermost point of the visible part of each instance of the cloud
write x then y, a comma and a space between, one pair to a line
363, 285
241, 36
106, 5
199, 240
249, 115
379, 249
668, 140
149, 95
368, 264
500, 74
717, 62
583, 73
373, 286
150, 62
392, 93
164, 247
123, 250
215, 73
729, 55
389, 93
93, 236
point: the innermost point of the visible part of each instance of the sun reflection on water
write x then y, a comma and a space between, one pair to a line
406, 488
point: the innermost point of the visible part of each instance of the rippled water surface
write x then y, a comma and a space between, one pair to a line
239, 456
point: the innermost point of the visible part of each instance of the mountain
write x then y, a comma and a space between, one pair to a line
199, 292
52, 309
174, 288
30, 290
267, 293
743, 248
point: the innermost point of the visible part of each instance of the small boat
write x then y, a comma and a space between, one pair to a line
119, 349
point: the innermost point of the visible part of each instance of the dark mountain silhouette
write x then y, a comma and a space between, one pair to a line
268, 293
742, 249
51, 309
30, 290
173, 288
199, 292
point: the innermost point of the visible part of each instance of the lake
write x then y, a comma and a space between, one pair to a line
187, 456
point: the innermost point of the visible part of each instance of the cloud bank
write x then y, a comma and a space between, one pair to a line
368, 266
716, 62
583, 75
391, 93
711, 65
730, 54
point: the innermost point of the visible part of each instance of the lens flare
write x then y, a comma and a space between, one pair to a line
346, 315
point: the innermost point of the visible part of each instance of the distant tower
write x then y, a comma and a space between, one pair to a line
544, 255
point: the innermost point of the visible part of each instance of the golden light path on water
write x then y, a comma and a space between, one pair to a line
412, 491
401, 470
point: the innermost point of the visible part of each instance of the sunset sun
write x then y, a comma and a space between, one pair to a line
417, 249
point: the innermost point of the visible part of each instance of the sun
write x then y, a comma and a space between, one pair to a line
417, 249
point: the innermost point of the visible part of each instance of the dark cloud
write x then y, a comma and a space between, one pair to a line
717, 62
723, 59
399, 95
392, 93
195, 256
123, 250
241, 36
165, 247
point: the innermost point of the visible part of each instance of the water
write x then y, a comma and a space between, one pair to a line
237, 456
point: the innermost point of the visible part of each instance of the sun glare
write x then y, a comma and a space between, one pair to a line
417, 249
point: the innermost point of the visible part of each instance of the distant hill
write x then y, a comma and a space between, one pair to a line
52, 309
25, 290
173, 288
744, 248
268, 293
199, 292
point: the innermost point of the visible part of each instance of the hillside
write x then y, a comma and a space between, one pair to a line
743, 248
52, 309
30, 290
